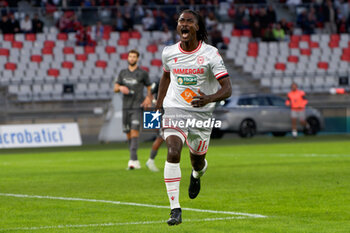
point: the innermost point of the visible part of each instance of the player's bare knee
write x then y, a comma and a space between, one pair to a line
174, 154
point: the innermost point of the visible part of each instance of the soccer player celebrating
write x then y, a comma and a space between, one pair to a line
193, 71
131, 82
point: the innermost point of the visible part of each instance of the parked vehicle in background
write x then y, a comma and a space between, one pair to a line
253, 114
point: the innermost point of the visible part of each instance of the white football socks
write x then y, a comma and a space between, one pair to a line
198, 174
172, 177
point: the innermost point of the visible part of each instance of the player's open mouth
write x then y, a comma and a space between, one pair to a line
185, 32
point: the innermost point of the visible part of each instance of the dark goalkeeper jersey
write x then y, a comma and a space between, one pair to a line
135, 81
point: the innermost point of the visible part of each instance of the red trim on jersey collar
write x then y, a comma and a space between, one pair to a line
193, 51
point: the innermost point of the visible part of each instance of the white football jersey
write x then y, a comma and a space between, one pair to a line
190, 71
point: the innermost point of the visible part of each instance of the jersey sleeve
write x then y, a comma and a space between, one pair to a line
119, 79
217, 66
165, 59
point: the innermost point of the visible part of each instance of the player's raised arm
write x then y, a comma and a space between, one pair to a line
223, 93
163, 88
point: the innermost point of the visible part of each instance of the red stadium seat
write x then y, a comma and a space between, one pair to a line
247, 32
345, 57
306, 38
280, 66
53, 72
252, 53
313, 44
4, 52
17, 44
36, 58
253, 45
49, 43
68, 50
30, 37
124, 56
67, 65
47, 51
322, 65
306, 52
293, 45
81, 57
226, 40
9, 37
124, 35
101, 64
110, 49
106, 36
135, 35
145, 68
156, 62
333, 44
89, 49
236, 32
10, 66
152, 48
62, 36
123, 42
293, 59
335, 37
346, 51
295, 38
107, 28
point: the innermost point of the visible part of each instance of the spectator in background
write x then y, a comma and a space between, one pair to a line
239, 18
119, 22
26, 25
97, 31
139, 11
15, 28
309, 27
216, 38
105, 15
293, 3
148, 22
271, 15
211, 21
167, 36
38, 25
128, 22
256, 31
64, 22
330, 17
84, 38
307, 22
160, 20
287, 27
268, 34
5, 25
278, 32
342, 25
263, 18
76, 25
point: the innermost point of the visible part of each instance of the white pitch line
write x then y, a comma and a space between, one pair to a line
115, 224
130, 204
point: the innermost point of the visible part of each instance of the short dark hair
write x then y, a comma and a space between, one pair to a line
202, 33
134, 51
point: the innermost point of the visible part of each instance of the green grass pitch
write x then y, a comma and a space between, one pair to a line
300, 185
